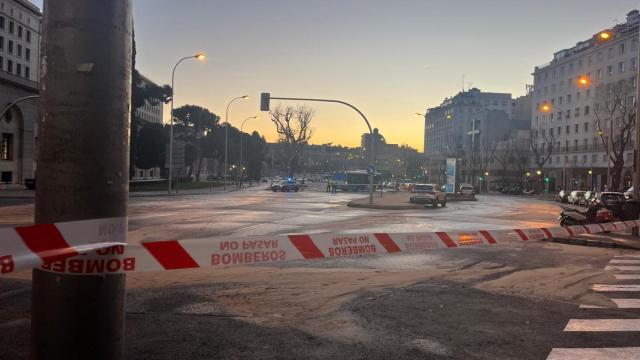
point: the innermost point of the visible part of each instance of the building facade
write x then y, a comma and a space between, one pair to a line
20, 28
149, 113
466, 126
570, 121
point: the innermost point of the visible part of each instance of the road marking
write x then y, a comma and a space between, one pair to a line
622, 268
627, 277
629, 256
603, 325
620, 304
621, 261
604, 287
627, 303
627, 353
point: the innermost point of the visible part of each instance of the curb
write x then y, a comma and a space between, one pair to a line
593, 243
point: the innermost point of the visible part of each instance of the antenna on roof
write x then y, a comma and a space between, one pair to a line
462, 82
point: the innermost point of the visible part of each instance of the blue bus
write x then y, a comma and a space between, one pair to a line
357, 180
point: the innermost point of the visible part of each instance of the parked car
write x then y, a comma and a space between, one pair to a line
575, 196
467, 190
561, 196
285, 185
428, 194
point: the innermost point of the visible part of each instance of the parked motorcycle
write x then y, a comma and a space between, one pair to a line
595, 213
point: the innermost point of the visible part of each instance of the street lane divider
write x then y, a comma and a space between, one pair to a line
99, 246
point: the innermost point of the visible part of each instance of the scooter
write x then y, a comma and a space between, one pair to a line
595, 213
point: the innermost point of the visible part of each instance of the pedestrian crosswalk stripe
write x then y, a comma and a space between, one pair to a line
627, 303
603, 325
625, 353
604, 287
587, 306
620, 304
627, 276
624, 261
622, 268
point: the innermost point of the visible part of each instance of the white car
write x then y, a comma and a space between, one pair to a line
467, 190
428, 194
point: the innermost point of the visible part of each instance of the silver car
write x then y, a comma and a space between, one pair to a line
467, 190
428, 194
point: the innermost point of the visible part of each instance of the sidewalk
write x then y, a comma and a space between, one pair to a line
610, 240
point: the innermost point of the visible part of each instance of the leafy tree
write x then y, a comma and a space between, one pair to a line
151, 146
194, 125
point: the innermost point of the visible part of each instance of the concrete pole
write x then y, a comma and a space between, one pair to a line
82, 169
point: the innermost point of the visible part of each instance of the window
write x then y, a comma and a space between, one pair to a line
594, 158
599, 72
560, 100
550, 161
634, 63
20, 31
19, 69
559, 115
621, 67
621, 49
27, 72
27, 53
559, 132
6, 150
567, 130
1, 63
2, 22
569, 99
19, 50
586, 128
551, 132
28, 35
11, 27
577, 127
586, 110
1, 42
10, 46
575, 147
568, 114
610, 70
6, 177
9, 66
576, 112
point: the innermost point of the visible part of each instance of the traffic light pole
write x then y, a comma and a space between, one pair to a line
82, 169
636, 148
372, 158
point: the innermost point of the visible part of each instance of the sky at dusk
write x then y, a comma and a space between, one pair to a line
389, 58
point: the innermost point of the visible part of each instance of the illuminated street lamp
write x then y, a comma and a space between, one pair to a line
538, 172
605, 35
528, 174
584, 81
545, 107
200, 56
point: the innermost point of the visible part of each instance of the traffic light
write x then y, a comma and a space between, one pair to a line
265, 98
546, 179
481, 178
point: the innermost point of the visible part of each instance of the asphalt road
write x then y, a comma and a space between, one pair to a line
511, 301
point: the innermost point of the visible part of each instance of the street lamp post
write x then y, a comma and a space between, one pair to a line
199, 56
241, 127
226, 135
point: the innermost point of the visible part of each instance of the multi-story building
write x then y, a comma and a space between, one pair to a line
464, 125
20, 27
571, 93
149, 113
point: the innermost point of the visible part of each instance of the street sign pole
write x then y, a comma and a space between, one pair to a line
82, 169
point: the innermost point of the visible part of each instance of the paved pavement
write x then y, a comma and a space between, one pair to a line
510, 301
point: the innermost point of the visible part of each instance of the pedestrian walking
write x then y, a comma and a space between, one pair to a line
328, 185
333, 187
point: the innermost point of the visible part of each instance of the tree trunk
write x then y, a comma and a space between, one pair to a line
199, 168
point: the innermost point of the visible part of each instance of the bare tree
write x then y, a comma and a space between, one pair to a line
616, 109
293, 125
542, 153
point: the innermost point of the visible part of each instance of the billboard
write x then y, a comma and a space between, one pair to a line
450, 186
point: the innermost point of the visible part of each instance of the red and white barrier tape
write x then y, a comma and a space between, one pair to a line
60, 248
31, 246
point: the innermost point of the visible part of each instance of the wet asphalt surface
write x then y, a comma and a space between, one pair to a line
447, 317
